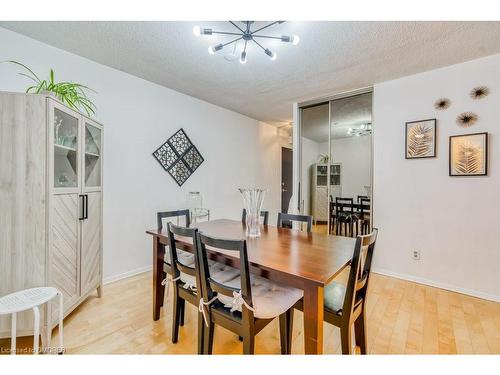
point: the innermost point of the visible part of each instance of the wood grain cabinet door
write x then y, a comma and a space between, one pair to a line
64, 252
91, 243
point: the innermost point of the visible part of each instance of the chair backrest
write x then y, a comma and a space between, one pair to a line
344, 205
177, 266
264, 214
359, 274
362, 197
291, 217
166, 214
365, 205
209, 286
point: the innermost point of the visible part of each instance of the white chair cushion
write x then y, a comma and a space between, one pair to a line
269, 299
218, 271
183, 256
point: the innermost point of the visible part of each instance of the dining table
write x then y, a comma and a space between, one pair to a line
307, 261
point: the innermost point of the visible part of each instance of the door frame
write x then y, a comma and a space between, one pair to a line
297, 144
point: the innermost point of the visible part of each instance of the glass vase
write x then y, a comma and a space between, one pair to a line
253, 199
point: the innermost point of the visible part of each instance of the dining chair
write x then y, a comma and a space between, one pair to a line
345, 216
186, 257
345, 305
365, 214
184, 278
331, 212
282, 217
246, 304
264, 214
359, 197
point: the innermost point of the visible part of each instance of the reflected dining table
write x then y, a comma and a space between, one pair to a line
307, 261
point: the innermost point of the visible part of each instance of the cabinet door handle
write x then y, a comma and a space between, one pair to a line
82, 207
86, 206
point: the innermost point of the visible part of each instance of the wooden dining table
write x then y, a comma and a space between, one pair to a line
307, 261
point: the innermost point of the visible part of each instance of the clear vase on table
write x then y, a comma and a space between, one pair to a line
253, 199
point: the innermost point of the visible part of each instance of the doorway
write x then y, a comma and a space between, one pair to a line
286, 178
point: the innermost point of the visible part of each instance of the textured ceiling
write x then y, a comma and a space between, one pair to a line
332, 57
351, 112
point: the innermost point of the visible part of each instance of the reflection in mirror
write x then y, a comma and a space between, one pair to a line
336, 164
350, 156
314, 175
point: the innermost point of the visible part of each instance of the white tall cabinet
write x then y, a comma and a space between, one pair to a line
319, 189
50, 202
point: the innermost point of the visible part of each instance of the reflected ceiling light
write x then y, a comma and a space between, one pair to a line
247, 35
364, 129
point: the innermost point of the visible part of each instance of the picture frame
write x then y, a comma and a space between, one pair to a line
420, 139
468, 155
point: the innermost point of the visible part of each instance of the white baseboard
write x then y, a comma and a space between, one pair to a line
437, 284
112, 279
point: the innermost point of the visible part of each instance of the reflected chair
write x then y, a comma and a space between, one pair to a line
282, 218
263, 214
246, 304
365, 215
345, 217
345, 306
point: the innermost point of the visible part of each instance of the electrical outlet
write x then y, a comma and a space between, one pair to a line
416, 254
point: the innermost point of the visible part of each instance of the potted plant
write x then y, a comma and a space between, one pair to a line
71, 93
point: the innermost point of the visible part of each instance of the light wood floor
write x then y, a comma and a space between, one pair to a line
403, 317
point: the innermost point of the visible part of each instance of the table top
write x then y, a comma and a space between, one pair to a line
312, 257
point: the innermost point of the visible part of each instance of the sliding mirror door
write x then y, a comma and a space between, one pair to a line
314, 164
336, 163
350, 165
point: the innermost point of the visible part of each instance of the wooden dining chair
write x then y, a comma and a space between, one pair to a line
365, 214
331, 212
184, 256
345, 216
263, 214
246, 304
359, 197
346, 305
282, 218
184, 278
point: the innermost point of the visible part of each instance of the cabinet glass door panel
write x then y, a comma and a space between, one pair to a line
92, 156
65, 150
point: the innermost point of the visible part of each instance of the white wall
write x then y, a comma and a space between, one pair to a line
354, 153
138, 117
453, 221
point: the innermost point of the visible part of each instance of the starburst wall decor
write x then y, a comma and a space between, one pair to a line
179, 157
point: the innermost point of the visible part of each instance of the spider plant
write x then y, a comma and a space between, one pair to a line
70, 93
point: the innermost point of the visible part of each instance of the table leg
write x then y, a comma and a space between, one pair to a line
158, 289
313, 319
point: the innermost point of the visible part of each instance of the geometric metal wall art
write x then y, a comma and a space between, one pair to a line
179, 157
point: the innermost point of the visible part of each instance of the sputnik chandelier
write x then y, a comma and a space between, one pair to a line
248, 35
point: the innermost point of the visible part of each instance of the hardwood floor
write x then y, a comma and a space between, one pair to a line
403, 318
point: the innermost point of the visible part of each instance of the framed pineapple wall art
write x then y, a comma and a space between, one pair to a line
469, 155
420, 139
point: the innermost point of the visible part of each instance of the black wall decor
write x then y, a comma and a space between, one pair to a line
179, 157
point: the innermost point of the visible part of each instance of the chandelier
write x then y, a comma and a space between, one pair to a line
246, 33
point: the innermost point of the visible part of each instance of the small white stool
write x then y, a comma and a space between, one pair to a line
31, 299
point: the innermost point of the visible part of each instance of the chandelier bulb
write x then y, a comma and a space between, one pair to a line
197, 30
295, 40
243, 58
